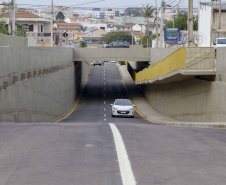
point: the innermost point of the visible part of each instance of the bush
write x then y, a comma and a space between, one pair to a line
122, 62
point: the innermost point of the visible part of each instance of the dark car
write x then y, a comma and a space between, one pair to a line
118, 44
99, 63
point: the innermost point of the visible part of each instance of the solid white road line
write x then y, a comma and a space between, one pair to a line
124, 163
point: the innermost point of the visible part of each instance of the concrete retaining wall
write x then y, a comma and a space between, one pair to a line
193, 99
38, 84
9, 40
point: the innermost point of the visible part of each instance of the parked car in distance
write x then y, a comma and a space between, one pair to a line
122, 107
118, 44
97, 63
113, 61
219, 42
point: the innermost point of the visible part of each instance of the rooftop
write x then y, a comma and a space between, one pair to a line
21, 14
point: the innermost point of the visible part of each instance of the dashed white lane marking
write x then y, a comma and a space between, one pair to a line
124, 163
104, 83
104, 78
104, 102
105, 119
104, 109
104, 115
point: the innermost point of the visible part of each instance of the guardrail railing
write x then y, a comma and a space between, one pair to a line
184, 59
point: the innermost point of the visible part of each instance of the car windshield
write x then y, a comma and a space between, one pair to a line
221, 41
123, 102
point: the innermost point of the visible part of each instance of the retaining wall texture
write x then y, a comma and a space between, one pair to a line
37, 84
192, 99
9, 40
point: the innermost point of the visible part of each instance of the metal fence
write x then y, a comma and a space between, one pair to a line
184, 59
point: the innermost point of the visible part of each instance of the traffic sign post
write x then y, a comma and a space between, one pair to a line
65, 35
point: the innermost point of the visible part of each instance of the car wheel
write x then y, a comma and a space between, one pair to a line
132, 116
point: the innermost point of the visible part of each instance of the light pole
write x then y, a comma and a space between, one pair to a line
161, 26
51, 40
13, 17
190, 23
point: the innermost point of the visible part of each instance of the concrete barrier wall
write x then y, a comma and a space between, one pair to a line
9, 40
193, 99
158, 54
38, 84
112, 54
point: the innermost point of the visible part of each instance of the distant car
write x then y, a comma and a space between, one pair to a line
97, 63
118, 44
122, 107
113, 61
219, 42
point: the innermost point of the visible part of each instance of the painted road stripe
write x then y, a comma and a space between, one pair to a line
123, 159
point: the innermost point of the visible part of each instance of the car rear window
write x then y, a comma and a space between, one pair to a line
221, 41
123, 102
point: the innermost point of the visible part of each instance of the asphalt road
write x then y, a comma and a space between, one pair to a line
81, 149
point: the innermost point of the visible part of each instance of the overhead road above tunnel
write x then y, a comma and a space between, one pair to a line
112, 54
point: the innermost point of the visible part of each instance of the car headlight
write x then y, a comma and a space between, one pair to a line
113, 108
131, 108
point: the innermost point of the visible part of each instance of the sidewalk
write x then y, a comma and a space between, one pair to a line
150, 114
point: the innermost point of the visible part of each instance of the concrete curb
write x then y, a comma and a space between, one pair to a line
160, 119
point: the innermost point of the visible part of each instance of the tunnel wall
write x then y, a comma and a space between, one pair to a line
196, 99
38, 84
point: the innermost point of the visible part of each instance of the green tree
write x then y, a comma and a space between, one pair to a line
180, 21
3, 28
83, 44
60, 16
20, 31
133, 12
144, 41
147, 12
116, 35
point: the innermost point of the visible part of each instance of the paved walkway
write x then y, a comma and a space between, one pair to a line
148, 112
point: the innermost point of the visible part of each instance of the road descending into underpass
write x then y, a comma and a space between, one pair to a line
91, 147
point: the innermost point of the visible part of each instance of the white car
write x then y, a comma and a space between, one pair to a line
219, 42
122, 107
113, 61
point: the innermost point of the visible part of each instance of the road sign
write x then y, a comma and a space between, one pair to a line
78, 38
65, 34
141, 37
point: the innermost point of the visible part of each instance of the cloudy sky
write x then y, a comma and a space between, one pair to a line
103, 3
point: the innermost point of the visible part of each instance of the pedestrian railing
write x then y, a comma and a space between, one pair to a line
182, 60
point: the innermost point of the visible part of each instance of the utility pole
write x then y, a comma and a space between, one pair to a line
51, 40
156, 16
161, 26
190, 23
13, 17
219, 18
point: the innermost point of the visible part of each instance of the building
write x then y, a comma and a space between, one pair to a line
80, 20
68, 12
35, 26
208, 22
68, 27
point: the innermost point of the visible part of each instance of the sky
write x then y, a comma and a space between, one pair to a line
102, 3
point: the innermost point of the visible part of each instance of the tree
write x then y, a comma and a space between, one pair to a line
20, 31
147, 12
3, 28
144, 41
60, 16
133, 11
116, 35
180, 21
83, 44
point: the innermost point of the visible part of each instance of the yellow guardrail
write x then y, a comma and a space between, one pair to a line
186, 58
